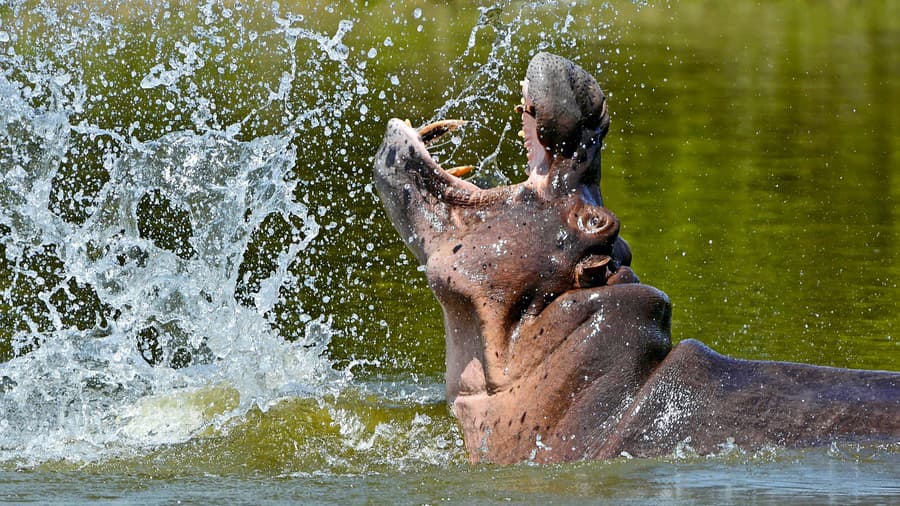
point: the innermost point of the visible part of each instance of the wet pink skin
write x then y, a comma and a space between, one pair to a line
554, 350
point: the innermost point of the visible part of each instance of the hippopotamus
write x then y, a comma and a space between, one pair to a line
554, 349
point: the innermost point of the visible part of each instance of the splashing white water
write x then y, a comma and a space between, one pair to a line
90, 387
124, 278
141, 171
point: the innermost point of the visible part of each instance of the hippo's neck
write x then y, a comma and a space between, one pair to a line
476, 352
464, 355
572, 372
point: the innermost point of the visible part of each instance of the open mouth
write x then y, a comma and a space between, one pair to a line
594, 270
538, 156
433, 132
428, 135
601, 266
445, 185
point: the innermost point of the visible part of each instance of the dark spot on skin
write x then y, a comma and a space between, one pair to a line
536, 428
546, 374
522, 420
412, 151
448, 280
510, 423
407, 197
541, 332
456, 248
391, 156
524, 303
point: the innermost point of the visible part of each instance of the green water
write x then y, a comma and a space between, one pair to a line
753, 161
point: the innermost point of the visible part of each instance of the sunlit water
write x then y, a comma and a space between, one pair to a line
201, 298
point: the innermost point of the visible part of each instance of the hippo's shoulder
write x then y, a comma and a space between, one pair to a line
692, 350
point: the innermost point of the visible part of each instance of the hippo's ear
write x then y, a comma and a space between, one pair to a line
592, 271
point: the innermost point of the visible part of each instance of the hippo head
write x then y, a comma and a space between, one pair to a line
538, 297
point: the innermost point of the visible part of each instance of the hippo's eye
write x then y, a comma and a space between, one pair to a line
592, 222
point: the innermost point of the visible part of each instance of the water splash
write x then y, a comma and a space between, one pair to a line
136, 309
187, 224
157, 262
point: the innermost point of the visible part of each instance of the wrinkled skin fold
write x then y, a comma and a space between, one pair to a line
554, 350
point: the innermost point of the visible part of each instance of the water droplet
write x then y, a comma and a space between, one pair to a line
62, 79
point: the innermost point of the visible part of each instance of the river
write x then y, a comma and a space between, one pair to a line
202, 300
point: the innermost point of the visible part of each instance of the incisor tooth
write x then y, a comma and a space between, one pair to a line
460, 171
522, 133
408, 123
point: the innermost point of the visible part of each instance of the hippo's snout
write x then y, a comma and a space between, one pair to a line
566, 102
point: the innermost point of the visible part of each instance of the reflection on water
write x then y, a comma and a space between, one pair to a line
197, 278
